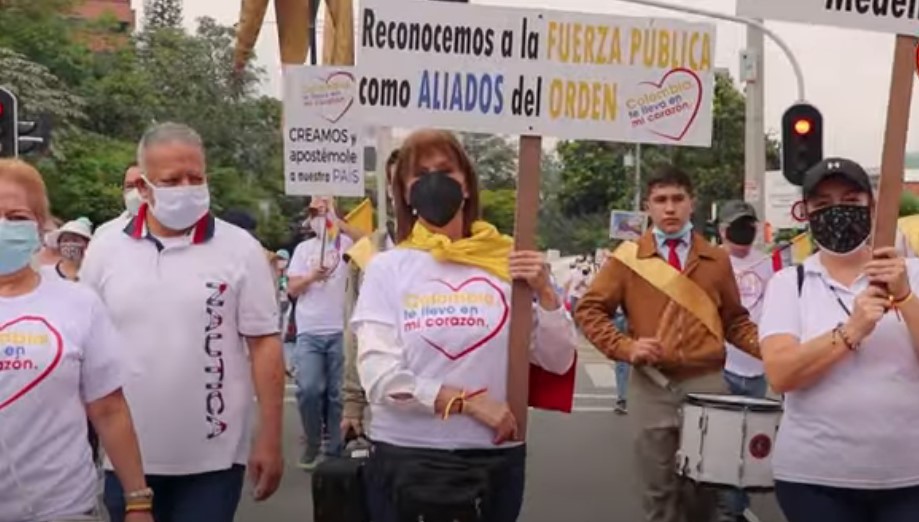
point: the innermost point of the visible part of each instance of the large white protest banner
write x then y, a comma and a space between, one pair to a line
535, 72
323, 152
886, 16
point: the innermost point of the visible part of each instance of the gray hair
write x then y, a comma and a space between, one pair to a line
167, 132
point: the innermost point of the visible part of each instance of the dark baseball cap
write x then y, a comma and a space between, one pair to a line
846, 170
731, 211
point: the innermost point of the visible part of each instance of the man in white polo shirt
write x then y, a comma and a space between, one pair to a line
189, 294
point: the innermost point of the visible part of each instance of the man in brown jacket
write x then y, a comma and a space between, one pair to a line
353, 397
679, 318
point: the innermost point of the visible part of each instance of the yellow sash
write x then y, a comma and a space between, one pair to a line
679, 288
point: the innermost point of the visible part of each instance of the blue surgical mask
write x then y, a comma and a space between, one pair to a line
19, 240
660, 234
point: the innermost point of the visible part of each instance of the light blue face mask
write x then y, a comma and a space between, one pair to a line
660, 234
19, 240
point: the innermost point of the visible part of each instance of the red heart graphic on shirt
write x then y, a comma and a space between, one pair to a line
672, 119
454, 353
21, 360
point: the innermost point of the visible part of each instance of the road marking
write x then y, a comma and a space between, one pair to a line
750, 516
601, 375
585, 409
611, 396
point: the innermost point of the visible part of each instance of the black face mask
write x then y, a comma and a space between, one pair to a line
840, 228
436, 197
741, 232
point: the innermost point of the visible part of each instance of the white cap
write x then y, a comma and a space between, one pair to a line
82, 227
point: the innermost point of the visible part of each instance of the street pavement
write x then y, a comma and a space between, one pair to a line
579, 466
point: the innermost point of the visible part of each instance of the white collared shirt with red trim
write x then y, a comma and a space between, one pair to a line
184, 306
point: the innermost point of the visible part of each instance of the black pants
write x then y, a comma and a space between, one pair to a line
811, 503
506, 491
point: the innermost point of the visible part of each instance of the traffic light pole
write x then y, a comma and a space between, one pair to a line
755, 136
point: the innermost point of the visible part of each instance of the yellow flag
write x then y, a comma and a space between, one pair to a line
801, 248
362, 217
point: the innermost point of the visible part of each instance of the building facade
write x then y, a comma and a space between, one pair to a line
118, 10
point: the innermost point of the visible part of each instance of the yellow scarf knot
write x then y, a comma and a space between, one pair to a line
486, 248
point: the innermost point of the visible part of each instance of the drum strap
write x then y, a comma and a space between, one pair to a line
674, 284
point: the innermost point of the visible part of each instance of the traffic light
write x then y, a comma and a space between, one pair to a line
802, 141
9, 125
34, 136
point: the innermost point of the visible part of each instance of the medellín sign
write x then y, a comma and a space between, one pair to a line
885, 16
900, 17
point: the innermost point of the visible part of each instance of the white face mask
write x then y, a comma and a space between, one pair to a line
178, 208
132, 201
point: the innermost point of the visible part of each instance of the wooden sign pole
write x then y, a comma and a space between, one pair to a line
893, 155
526, 213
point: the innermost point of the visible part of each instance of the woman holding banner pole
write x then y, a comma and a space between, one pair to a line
432, 323
840, 338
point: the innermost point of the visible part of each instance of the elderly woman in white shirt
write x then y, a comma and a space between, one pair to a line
59, 363
432, 324
840, 338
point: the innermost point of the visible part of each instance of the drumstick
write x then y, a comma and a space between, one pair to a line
659, 378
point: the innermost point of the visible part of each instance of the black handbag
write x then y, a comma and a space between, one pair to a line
439, 486
338, 486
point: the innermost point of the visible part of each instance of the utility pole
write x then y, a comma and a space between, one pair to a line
384, 143
633, 161
751, 72
637, 203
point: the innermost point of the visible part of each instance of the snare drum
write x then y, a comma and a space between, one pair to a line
727, 440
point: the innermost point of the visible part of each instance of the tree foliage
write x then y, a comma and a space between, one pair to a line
494, 157
909, 204
159, 14
107, 99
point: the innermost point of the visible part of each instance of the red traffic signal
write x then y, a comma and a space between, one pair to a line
9, 133
802, 141
802, 127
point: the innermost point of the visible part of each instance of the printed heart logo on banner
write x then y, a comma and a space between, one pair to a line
18, 381
455, 351
342, 98
675, 125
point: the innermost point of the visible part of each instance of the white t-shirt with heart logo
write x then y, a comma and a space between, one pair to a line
321, 308
450, 327
752, 274
58, 351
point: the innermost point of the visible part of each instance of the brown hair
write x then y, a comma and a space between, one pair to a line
416, 147
25, 175
668, 175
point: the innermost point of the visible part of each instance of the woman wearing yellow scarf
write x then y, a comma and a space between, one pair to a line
432, 324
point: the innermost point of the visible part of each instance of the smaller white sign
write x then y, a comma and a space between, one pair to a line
627, 225
885, 16
781, 196
323, 149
